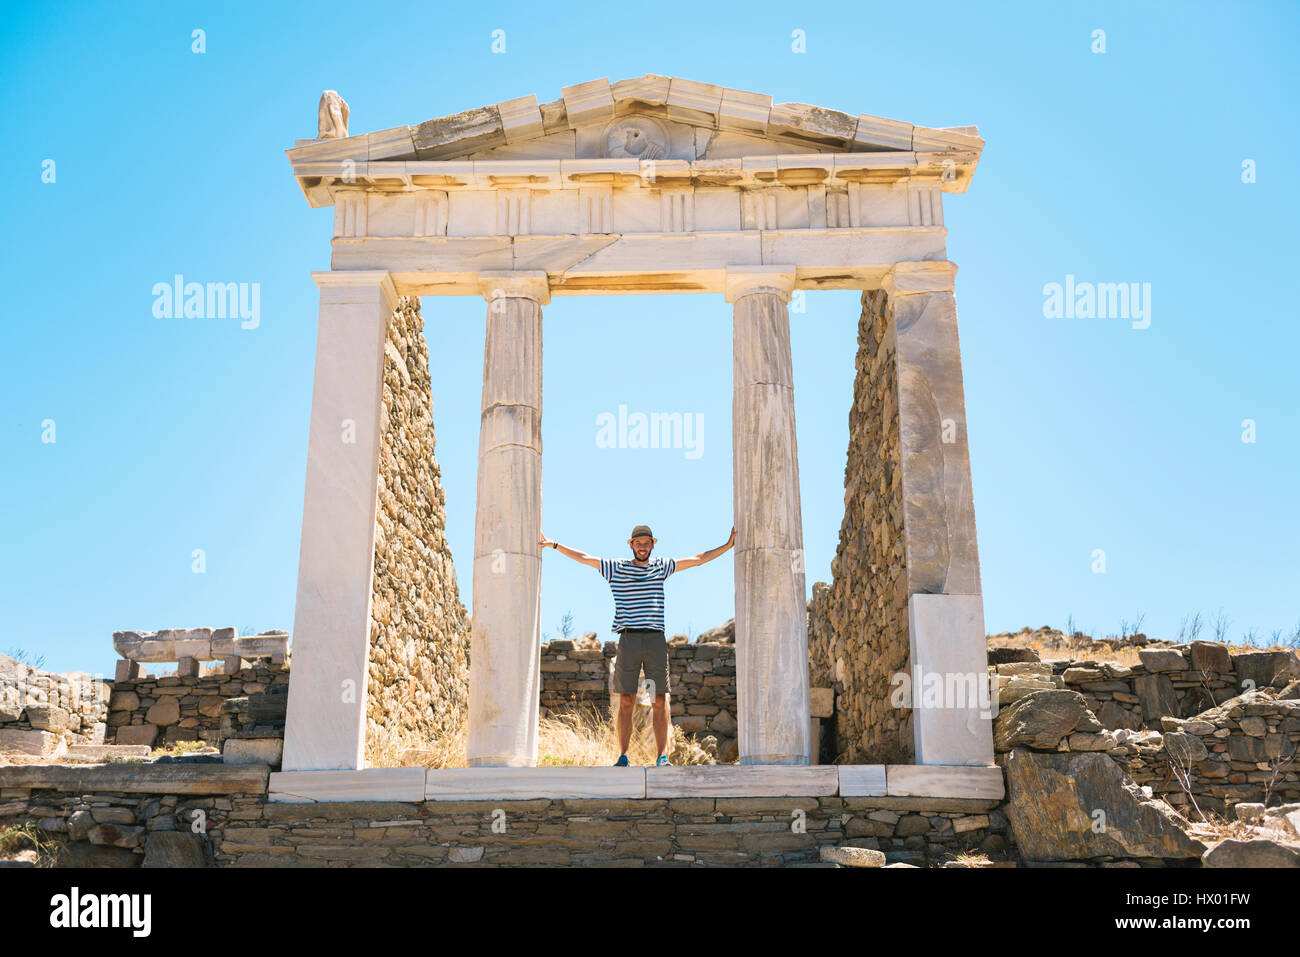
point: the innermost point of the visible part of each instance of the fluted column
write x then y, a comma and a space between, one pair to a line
771, 616
505, 648
325, 726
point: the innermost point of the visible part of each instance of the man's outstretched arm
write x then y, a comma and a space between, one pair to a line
573, 553
708, 556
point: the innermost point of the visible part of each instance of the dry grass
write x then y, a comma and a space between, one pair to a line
580, 738
177, 748
969, 859
15, 839
1119, 649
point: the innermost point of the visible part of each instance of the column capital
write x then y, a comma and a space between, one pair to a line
356, 285
910, 278
515, 284
749, 280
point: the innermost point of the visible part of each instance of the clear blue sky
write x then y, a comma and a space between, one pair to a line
175, 434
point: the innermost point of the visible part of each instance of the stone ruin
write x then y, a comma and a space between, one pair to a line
648, 185
653, 185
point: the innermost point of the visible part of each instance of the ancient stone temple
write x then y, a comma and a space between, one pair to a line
652, 185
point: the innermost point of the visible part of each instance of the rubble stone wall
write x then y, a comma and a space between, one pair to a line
858, 625
1178, 681
701, 676
419, 635
159, 710
72, 707
1243, 748
118, 826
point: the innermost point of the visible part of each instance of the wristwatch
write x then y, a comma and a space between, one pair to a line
555, 544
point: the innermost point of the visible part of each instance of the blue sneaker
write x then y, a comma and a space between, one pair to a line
621, 762
663, 761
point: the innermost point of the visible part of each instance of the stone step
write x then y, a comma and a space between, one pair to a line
98, 753
41, 744
156, 778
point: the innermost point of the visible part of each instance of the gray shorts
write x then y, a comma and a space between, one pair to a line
638, 648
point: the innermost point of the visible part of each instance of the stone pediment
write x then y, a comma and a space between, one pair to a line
695, 132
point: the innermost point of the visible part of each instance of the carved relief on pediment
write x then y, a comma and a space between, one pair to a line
635, 137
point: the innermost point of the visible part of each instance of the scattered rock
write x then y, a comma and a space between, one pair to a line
1257, 852
853, 856
1041, 720
1076, 807
1250, 813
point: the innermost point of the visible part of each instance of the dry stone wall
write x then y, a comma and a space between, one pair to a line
702, 676
1176, 681
858, 625
419, 635
1064, 764
41, 710
158, 711
143, 815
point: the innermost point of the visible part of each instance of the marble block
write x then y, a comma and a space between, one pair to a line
368, 784
952, 713
862, 780
517, 784
916, 780
42, 744
737, 780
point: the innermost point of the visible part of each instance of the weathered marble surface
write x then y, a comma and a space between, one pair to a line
915, 780
938, 503
948, 648
862, 780
331, 116
505, 649
481, 784
702, 120
680, 186
731, 780
772, 688
326, 717
368, 784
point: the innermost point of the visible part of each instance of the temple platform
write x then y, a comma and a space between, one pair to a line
570, 783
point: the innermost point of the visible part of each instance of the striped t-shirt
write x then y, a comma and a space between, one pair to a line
638, 591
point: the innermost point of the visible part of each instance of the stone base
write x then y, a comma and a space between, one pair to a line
248, 826
42, 744
253, 751
565, 783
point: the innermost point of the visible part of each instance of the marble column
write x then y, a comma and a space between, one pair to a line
505, 643
771, 618
951, 709
326, 721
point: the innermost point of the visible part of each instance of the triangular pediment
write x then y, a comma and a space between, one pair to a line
647, 117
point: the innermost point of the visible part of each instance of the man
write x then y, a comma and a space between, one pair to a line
638, 587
